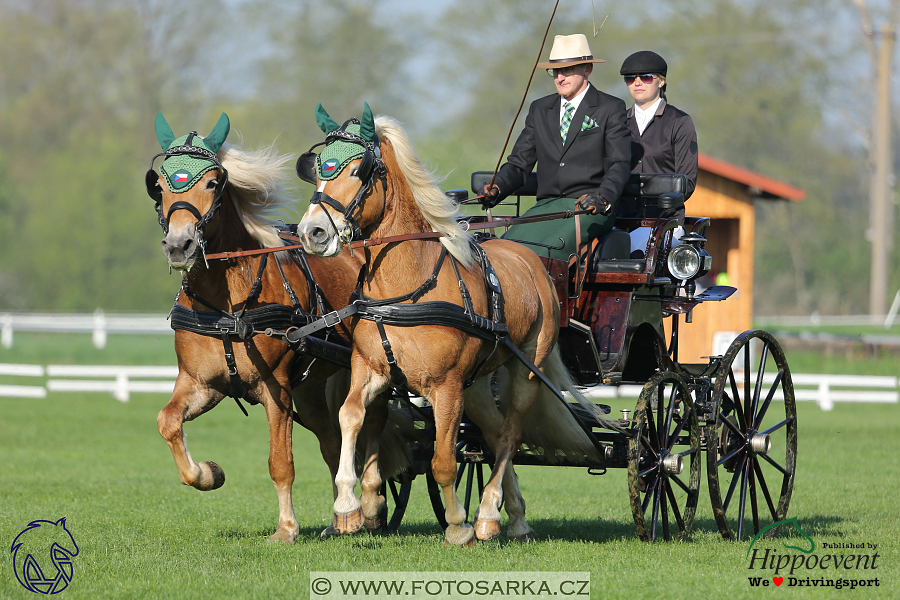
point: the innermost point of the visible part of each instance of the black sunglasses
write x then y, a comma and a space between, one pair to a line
645, 79
564, 71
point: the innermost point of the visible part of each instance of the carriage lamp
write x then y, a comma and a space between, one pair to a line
689, 260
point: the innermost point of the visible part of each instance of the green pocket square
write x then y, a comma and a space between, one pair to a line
588, 123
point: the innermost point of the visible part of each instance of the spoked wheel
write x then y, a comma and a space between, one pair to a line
752, 440
664, 460
400, 490
473, 473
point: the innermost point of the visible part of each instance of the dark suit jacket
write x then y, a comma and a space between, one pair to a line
596, 160
668, 145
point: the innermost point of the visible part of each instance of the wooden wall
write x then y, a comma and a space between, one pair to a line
730, 243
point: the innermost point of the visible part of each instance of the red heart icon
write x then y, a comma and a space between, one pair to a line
778, 580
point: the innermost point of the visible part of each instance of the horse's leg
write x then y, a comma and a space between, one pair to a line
447, 403
482, 409
189, 400
523, 391
281, 457
315, 414
364, 385
373, 503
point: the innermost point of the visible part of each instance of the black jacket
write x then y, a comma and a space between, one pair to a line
593, 160
668, 145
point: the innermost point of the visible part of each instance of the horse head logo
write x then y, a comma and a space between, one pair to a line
36, 548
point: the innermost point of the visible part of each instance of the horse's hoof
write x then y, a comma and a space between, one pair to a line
487, 529
378, 522
349, 523
459, 535
282, 536
525, 538
212, 477
329, 531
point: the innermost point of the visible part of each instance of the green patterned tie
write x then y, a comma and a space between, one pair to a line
566, 121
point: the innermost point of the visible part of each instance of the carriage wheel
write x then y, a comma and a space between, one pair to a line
751, 442
664, 437
400, 491
473, 473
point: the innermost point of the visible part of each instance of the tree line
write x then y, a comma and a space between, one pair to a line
83, 80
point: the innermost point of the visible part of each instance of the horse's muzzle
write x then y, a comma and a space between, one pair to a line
181, 248
318, 236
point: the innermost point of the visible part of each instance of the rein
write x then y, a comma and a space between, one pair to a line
427, 235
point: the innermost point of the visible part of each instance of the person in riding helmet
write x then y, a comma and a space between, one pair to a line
663, 139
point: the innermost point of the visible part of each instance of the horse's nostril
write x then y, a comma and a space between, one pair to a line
318, 234
188, 243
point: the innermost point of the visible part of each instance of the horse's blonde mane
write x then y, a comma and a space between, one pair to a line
255, 184
440, 212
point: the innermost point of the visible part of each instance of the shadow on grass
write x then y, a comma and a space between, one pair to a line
558, 529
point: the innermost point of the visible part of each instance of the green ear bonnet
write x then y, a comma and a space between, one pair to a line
344, 144
189, 157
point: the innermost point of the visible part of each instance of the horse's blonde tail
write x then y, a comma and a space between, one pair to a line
549, 426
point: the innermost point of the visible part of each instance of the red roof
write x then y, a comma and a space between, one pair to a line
759, 184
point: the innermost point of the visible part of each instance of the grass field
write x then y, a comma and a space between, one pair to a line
103, 466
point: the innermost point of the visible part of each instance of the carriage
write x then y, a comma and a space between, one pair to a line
611, 335
738, 408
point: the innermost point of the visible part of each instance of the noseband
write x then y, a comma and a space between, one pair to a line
151, 180
370, 167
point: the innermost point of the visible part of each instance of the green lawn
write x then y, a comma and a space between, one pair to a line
103, 466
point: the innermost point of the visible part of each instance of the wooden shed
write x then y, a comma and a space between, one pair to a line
726, 194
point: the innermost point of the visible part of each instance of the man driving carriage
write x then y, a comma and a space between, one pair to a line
582, 146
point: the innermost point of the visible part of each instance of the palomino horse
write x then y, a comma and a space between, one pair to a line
218, 200
372, 185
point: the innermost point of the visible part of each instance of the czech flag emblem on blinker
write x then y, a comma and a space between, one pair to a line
180, 178
329, 166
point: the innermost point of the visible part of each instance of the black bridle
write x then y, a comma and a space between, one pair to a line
151, 180
370, 167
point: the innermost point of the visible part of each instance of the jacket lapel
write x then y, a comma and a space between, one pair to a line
552, 123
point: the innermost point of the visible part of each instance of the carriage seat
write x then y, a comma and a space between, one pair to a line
612, 254
648, 195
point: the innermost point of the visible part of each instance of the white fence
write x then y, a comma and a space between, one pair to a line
98, 324
824, 390
120, 381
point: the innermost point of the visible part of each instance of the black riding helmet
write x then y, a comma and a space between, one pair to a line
643, 62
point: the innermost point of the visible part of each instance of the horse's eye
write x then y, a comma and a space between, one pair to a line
353, 172
211, 184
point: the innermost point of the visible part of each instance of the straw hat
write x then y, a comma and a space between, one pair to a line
569, 50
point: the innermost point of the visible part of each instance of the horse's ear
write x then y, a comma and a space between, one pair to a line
367, 126
217, 136
63, 520
164, 133
326, 123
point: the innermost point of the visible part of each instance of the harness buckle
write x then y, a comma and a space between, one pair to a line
332, 318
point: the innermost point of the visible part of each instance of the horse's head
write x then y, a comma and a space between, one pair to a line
345, 173
187, 190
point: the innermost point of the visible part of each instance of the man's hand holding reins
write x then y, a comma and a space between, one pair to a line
595, 203
491, 196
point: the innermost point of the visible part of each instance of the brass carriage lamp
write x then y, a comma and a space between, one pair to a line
689, 261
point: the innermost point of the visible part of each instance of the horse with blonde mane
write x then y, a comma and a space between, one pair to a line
371, 185
214, 198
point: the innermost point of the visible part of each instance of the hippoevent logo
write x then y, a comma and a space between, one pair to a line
807, 568
42, 556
